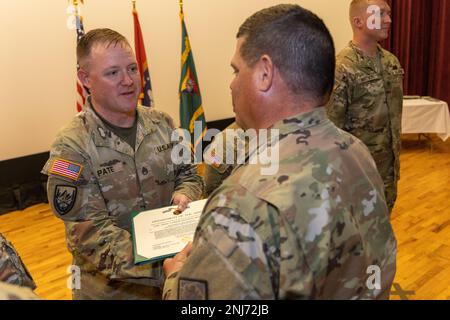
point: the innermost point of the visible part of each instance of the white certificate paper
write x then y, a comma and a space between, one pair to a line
160, 233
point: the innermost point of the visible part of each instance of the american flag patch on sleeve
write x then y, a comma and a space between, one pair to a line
66, 169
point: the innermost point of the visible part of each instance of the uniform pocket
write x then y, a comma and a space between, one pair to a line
394, 84
367, 88
118, 183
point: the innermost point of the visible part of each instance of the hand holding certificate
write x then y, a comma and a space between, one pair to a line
161, 233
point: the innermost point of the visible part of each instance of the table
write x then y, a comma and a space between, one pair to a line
426, 116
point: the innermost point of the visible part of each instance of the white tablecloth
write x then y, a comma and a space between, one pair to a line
424, 116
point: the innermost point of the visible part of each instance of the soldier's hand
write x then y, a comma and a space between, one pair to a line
175, 264
181, 201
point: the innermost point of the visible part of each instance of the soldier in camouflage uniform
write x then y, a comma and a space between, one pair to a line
318, 227
368, 96
111, 160
12, 269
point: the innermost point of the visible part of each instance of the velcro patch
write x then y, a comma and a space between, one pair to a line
223, 243
108, 170
67, 169
189, 289
64, 198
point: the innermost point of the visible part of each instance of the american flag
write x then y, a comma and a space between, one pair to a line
66, 169
81, 92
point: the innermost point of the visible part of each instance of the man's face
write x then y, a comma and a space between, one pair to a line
243, 90
113, 78
372, 29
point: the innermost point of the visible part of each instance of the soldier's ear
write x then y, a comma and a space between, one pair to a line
83, 76
358, 22
265, 71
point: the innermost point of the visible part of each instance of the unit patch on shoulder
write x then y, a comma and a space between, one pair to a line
189, 289
67, 169
64, 199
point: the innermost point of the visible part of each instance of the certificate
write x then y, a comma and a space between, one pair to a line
162, 233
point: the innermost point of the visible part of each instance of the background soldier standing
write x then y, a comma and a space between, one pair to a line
368, 96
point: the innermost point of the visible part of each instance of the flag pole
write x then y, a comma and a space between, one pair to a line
81, 91
134, 5
75, 4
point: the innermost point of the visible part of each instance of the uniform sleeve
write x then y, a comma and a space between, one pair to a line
214, 176
187, 179
217, 168
12, 269
228, 261
340, 98
92, 234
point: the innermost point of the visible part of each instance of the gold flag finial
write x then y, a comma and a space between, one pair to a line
134, 5
76, 2
75, 5
181, 6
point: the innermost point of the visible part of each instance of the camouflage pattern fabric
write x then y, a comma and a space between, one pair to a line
13, 292
367, 102
311, 231
104, 181
216, 173
12, 269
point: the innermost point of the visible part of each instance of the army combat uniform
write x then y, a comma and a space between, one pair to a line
12, 269
311, 231
367, 102
96, 180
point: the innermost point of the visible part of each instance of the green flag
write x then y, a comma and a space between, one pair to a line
192, 117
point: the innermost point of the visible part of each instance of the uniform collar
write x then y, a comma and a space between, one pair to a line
362, 54
302, 121
104, 137
363, 58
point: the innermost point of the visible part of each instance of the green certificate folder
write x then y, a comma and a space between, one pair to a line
161, 233
138, 259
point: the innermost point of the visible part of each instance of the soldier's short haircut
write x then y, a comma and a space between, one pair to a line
299, 44
356, 6
102, 36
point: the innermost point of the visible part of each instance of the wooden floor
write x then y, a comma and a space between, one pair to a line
421, 220
39, 237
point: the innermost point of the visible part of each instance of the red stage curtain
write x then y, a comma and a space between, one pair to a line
418, 39
439, 75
